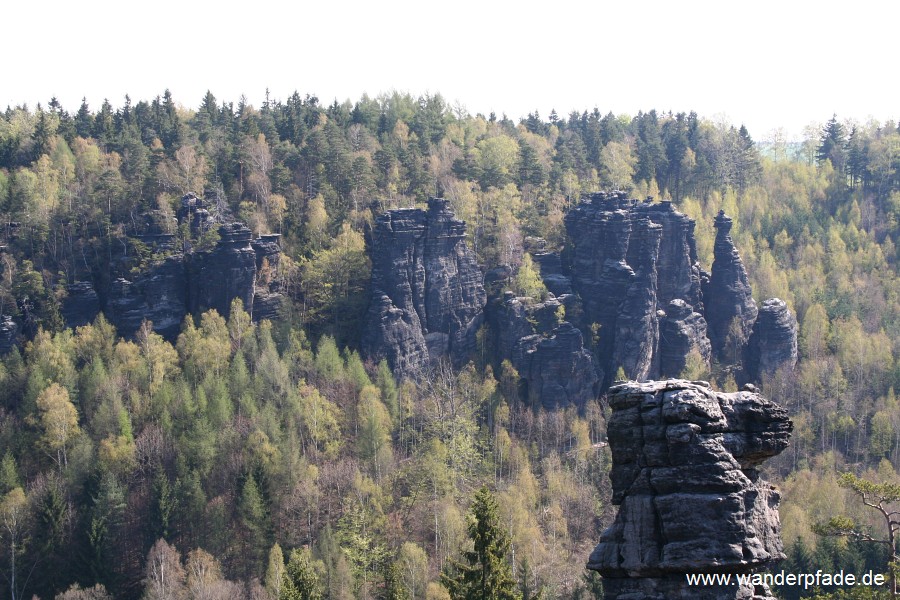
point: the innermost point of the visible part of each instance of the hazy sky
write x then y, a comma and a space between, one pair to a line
764, 63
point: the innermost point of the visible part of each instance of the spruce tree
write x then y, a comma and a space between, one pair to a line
299, 580
486, 573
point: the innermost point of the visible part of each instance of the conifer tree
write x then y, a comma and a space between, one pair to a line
300, 581
486, 573
393, 583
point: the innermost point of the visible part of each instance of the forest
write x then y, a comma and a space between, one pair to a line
239, 455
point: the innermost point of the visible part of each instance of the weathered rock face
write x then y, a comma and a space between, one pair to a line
268, 250
682, 331
178, 280
196, 213
629, 260
773, 342
557, 370
600, 231
550, 265
227, 272
159, 296
691, 500
637, 325
193, 283
728, 295
678, 269
8, 332
81, 305
549, 355
422, 268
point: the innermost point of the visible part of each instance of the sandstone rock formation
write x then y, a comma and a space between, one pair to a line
773, 342
682, 331
427, 290
637, 324
691, 499
8, 333
629, 260
557, 370
227, 272
548, 353
190, 281
166, 279
678, 269
551, 268
158, 295
728, 297
81, 305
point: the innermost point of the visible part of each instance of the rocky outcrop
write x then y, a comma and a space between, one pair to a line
194, 283
599, 231
690, 498
678, 268
637, 325
773, 342
549, 354
8, 333
195, 212
268, 251
427, 290
81, 304
157, 276
223, 274
189, 282
728, 297
551, 268
557, 370
682, 333
629, 260
158, 295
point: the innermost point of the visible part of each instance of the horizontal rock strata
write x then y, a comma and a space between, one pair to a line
690, 498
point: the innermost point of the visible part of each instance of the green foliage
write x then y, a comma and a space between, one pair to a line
299, 580
882, 498
168, 437
275, 572
394, 588
486, 573
328, 361
255, 521
9, 473
528, 280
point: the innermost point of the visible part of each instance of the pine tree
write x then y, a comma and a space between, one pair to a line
486, 573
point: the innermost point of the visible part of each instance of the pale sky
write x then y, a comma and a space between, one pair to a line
765, 63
